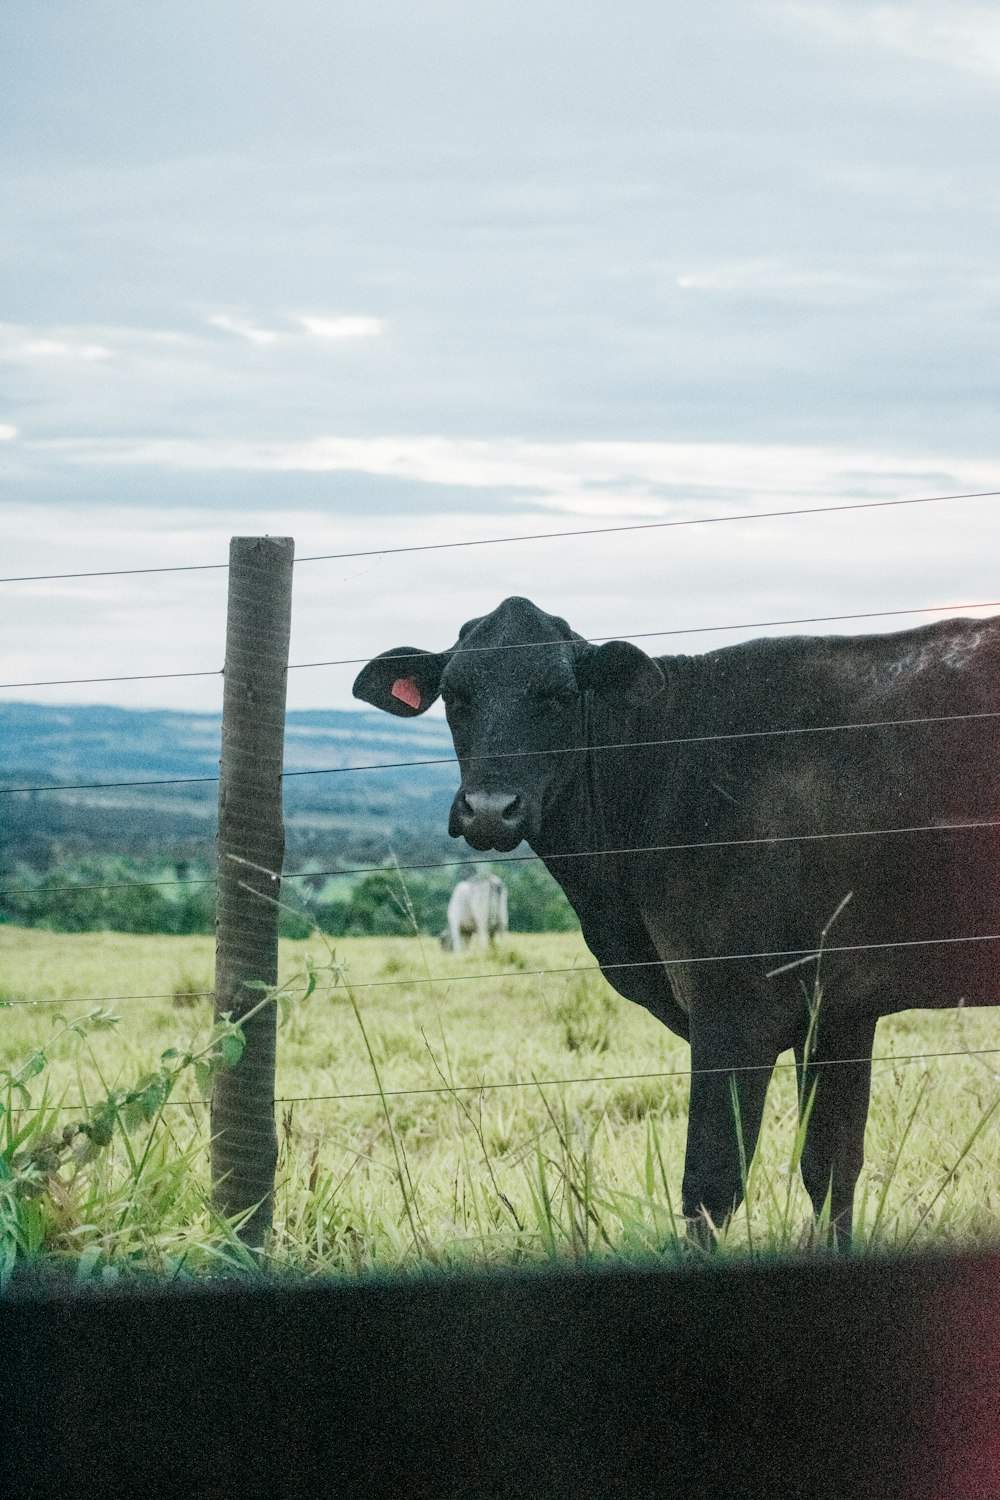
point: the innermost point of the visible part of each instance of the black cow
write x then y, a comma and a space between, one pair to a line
708, 815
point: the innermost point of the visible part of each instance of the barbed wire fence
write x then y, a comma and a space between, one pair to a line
254, 1122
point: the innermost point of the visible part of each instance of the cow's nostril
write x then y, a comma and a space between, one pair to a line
511, 812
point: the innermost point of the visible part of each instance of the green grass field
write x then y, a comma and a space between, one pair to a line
482, 1151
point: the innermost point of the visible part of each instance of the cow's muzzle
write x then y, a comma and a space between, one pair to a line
489, 820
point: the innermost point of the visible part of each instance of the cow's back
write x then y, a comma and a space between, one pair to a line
835, 802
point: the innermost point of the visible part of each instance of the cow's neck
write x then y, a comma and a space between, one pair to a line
596, 806
599, 807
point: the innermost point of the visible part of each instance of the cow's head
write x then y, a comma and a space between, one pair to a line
514, 687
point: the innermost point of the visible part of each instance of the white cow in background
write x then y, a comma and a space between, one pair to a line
478, 908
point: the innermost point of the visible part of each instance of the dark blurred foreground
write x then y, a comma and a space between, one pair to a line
814, 1379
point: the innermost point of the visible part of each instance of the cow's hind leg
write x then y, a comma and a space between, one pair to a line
834, 1086
723, 1125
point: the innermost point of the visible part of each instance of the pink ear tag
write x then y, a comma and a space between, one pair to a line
406, 690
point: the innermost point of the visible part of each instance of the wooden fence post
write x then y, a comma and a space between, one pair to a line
244, 1146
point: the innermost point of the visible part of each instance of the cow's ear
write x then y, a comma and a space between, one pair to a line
619, 669
403, 681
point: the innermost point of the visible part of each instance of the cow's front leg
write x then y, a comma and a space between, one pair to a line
729, 1079
834, 1087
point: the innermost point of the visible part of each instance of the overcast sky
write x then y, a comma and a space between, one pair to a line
376, 273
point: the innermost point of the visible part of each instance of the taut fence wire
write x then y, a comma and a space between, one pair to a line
482, 1086
513, 859
539, 536
797, 955
447, 760
594, 640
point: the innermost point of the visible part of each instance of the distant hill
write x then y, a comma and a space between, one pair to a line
338, 818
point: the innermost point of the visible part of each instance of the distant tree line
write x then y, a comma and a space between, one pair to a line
123, 895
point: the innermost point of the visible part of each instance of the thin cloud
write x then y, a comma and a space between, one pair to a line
966, 37
60, 348
243, 328
341, 328
776, 278
584, 478
307, 326
84, 341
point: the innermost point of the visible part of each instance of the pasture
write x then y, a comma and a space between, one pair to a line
448, 1136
